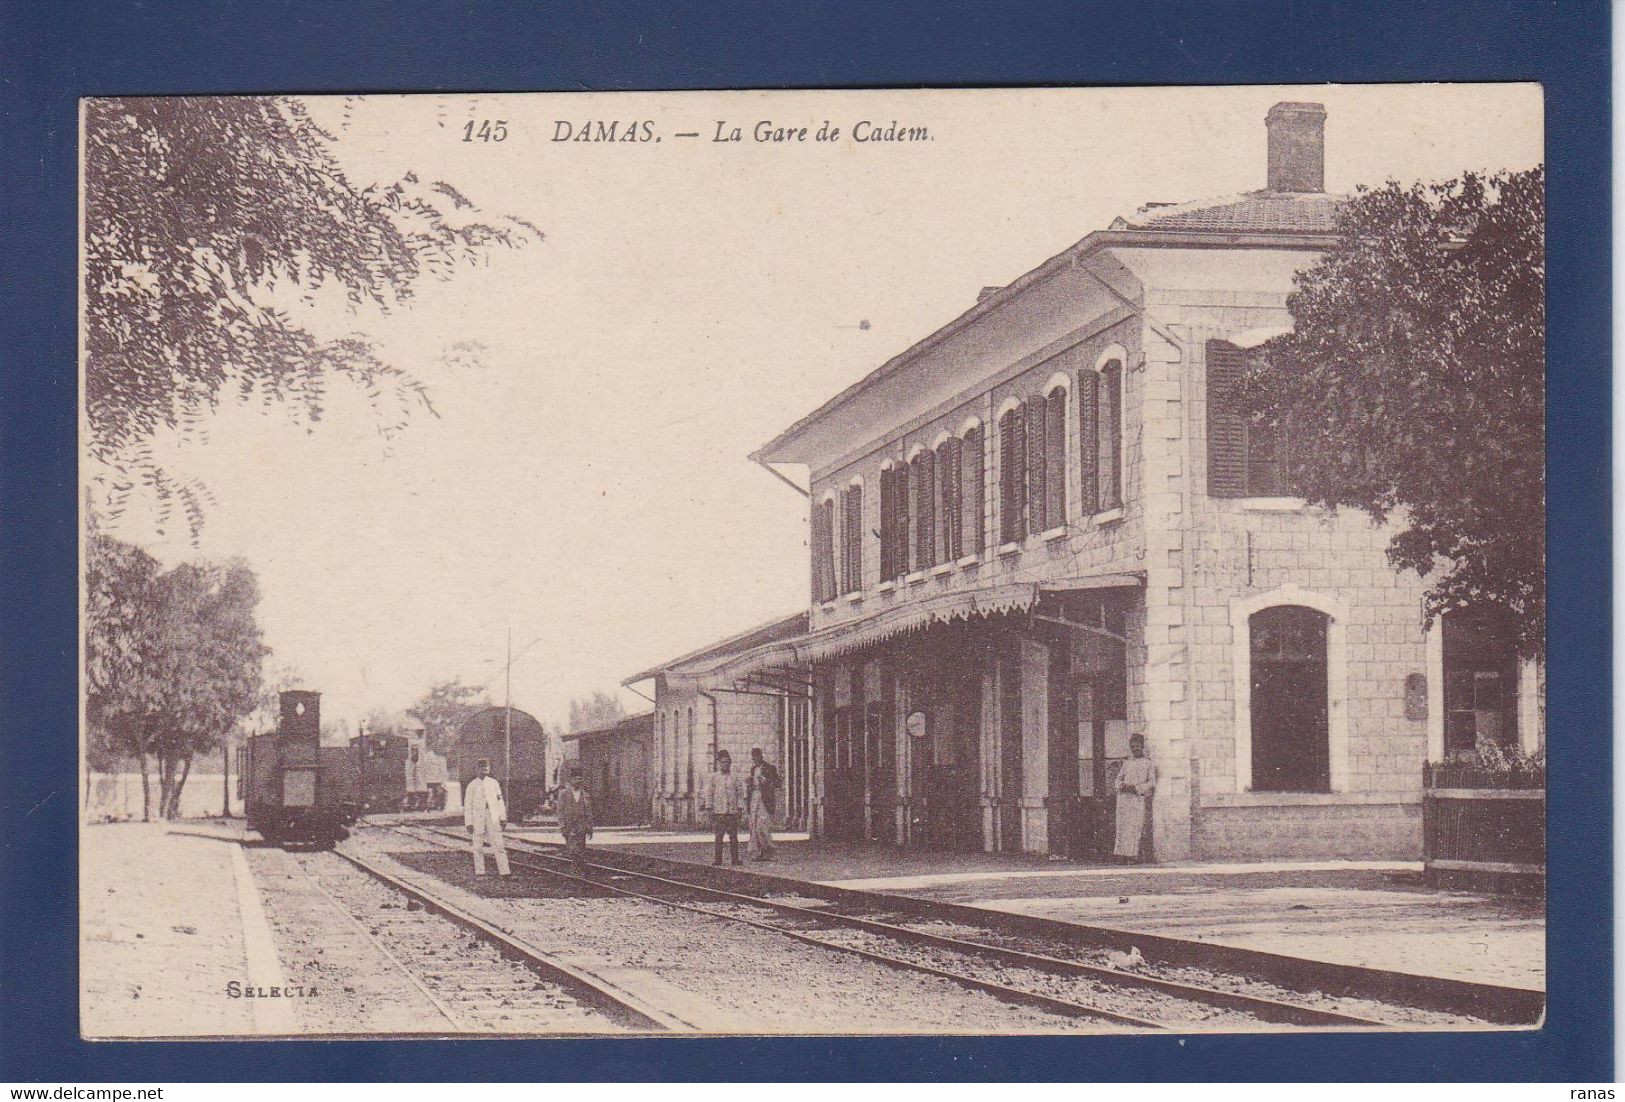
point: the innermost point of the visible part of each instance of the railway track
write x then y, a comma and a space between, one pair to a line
1389, 999
510, 987
1071, 987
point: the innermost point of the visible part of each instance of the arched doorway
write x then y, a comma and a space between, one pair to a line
1291, 738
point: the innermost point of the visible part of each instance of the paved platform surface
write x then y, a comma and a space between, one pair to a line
1372, 913
162, 933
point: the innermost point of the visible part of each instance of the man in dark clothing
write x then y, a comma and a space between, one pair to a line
575, 819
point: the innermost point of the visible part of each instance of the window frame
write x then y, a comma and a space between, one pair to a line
1337, 734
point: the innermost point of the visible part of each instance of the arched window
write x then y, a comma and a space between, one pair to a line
1290, 700
1053, 501
660, 754
924, 465
823, 550
691, 750
676, 752
1013, 475
972, 465
950, 500
1100, 435
894, 531
852, 537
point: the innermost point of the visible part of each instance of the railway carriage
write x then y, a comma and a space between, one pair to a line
513, 742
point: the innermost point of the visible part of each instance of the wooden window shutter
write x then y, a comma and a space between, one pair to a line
1055, 458
852, 540
1037, 470
925, 518
1111, 435
818, 543
973, 463
1007, 466
1226, 427
900, 529
824, 551
888, 519
950, 493
1089, 440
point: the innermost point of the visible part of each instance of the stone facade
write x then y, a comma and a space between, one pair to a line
1167, 614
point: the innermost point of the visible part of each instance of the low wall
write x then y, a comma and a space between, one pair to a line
1484, 831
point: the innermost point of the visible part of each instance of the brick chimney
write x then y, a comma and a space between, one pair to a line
1297, 139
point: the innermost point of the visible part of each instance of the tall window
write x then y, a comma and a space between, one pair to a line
691, 750
823, 551
1246, 455
973, 493
1037, 467
1480, 681
1013, 476
1109, 433
894, 532
660, 755
925, 510
1290, 697
1050, 505
852, 538
950, 500
676, 758
1089, 440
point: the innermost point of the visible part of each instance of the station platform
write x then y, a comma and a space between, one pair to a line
1377, 914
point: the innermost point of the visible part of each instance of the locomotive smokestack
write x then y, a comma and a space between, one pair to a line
301, 714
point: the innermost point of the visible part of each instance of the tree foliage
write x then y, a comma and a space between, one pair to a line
204, 218
443, 709
598, 710
1413, 385
173, 659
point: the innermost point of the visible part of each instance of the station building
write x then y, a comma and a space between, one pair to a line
1047, 525
742, 692
615, 764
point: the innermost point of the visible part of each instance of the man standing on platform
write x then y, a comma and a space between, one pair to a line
761, 801
725, 800
484, 813
575, 818
1136, 781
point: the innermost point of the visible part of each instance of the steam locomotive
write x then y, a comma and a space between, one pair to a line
295, 791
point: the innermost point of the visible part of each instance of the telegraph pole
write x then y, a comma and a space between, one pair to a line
507, 722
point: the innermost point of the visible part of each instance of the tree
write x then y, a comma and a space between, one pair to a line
443, 709
1413, 385
209, 665
599, 710
122, 613
207, 218
172, 662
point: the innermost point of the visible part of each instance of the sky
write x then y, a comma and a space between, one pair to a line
585, 485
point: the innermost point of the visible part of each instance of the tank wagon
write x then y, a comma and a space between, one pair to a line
519, 761
294, 789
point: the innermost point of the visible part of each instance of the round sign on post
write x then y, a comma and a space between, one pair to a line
915, 725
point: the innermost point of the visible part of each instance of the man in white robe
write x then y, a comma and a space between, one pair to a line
1136, 781
484, 813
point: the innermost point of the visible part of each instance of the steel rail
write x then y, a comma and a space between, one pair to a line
1065, 1007
1266, 1009
595, 991
463, 1024
1484, 1002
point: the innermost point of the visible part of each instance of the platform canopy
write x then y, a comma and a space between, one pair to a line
971, 604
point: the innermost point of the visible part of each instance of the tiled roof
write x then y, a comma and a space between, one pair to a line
1255, 212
